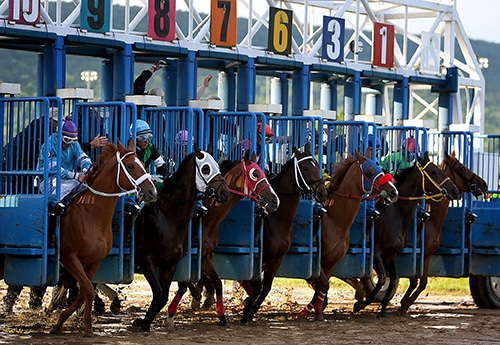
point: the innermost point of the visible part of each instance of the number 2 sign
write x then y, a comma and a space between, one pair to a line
223, 23
383, 45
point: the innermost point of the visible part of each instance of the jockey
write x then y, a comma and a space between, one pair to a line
71, 155
397, 161
147, 151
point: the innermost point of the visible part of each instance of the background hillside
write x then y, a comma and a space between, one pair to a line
21, 66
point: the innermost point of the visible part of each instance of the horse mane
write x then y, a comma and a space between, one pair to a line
178, 174
340, 171
106, 151
226, 165
403, 174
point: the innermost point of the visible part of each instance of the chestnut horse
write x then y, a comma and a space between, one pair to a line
466, 181
352, 179
244, 180
86, 234
300, 174
423, 180
162, 227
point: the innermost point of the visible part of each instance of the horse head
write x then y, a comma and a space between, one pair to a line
462, 176
209, 180
256, 186
435, 182
375, 180
308, 174
132, 171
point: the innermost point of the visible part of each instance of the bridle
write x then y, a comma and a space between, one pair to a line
425, 175
472, 187
252, 186
299, 176
121, 167
203, 180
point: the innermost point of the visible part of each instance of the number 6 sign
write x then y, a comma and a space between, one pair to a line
383, 45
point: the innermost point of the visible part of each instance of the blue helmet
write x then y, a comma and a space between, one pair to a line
141, 127
377, 145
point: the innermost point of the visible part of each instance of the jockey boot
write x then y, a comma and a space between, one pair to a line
10, 298
36, 297
200, 211
422, 215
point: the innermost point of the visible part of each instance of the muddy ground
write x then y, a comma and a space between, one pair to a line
433, 320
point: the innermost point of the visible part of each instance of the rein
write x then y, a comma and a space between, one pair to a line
436, 197
131, 179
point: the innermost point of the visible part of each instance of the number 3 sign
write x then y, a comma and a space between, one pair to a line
383, 45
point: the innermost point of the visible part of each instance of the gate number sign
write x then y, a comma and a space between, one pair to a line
24, 11
280, 31
383, 45
223, 23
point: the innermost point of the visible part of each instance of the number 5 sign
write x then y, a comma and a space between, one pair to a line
223, 23
383, 45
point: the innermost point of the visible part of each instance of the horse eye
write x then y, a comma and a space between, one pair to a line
205, 169
370, 171
130, 166
254, 174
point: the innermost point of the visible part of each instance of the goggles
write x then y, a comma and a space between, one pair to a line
68, 140
144, 137
269, 140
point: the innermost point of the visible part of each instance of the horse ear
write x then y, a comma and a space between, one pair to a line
307, 148
247, 156
446, 154
120, 146
253, 158
197, 150
295, 151
453, 154
130, 146
359, 156
210, 148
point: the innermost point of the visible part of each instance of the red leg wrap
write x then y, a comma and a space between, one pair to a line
318, 304
172, 308
305, 311
219, 309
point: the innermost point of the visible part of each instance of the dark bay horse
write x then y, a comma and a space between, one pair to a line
300, 174
423, 180
86, 234
353, 178
466, 181
245, 179
162, 227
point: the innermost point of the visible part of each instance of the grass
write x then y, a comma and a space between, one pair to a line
435, 285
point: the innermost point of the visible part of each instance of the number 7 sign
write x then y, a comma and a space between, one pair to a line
383, 45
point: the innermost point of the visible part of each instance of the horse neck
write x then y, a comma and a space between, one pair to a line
438, 211
179, 188
411, 186
285, 183
105, 180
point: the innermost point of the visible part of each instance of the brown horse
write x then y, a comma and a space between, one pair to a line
244, 180
300, 174
162, 227
352, 179
423, 180
86, 234
466, 181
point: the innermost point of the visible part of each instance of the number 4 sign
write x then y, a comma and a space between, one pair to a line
383, 45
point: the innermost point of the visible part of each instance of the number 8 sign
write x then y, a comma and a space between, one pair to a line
383, 45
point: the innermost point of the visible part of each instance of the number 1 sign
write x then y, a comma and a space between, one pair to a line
383, 45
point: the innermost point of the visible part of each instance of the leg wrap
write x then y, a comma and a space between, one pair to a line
219, 306
172, 308
318, 304
306, 310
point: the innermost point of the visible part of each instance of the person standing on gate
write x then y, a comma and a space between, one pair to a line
71, 155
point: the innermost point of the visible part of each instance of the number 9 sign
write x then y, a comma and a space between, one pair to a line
280, 31
333, 39
95, 15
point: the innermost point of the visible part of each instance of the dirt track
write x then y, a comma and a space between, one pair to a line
434, 320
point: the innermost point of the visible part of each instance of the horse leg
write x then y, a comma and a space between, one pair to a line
160, 297
194, 290
267, 283
172, 308
404, 301
321, 286
213, 282
112, 295
356, 283
86, 293
256, 286
390, 264
378, 266
422, 284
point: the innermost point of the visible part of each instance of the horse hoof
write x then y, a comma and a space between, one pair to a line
244, 321
358, 306
319, 317
195, 305
140, 326
115, 306
382, 315
222, 321
170, 323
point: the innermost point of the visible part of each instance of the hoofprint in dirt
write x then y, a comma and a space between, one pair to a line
433, 320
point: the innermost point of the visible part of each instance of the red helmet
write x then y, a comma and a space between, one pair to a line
410, 144
269, 131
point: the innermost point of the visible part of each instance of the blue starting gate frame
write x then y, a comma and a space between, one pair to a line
31, 250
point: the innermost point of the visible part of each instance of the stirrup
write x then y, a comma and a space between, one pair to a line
56, 209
